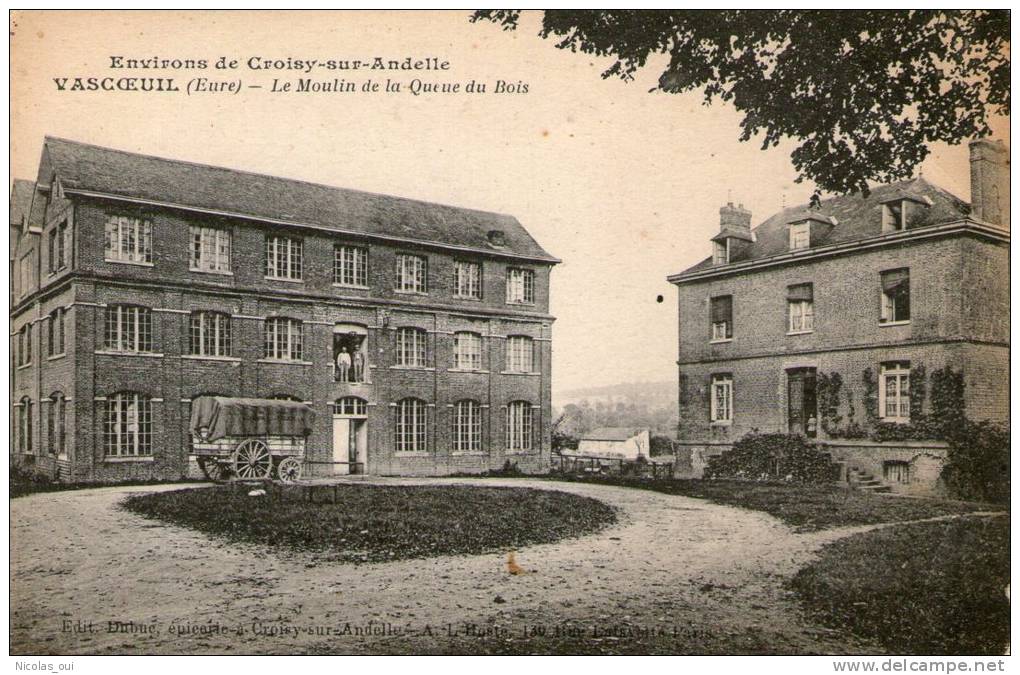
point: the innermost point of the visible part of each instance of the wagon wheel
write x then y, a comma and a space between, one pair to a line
212, 469
289, 470
252, 460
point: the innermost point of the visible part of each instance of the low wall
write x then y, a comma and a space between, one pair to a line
923, 462
691, 457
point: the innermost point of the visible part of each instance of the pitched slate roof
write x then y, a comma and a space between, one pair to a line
21, 199
610, 434
856, 217
106, 171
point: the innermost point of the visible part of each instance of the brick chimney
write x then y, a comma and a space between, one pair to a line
735, 219
989, 181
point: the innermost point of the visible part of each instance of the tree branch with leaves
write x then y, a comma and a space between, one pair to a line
864, 93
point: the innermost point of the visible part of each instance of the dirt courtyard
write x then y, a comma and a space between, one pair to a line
90, 578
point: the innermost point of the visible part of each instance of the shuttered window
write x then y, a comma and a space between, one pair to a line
721, 317
895, 296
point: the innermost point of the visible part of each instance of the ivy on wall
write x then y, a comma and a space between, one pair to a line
945, 413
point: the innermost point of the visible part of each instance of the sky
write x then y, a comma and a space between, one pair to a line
622, 184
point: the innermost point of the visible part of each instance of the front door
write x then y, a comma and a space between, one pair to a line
802, 402
342, 444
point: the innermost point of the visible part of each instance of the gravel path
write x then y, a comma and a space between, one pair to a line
675, 575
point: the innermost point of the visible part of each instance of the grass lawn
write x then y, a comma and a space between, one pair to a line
807, 508
926, 588
373, 523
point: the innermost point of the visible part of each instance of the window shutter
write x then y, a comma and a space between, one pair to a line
800, 293
894, 279
722, 309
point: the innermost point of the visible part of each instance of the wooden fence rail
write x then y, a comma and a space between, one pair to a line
586, 465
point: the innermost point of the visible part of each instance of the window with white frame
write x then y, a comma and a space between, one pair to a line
128, 240
467, 426
467, 279
411, 425
412, 273
721, 317
350, 406
895, 296
55, 333
801, 308
283, 257
210, 249
210, 334
894, 392
412, 347
721, 252
520, 354
800, 235
128, 329
520, 286
722, 399
350, 265
283, 339
127, 425
894, 471
467, 351
518, 426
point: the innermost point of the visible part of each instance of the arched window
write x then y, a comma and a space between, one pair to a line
518, 426
127, 425
25, 425
128, 329
285, 397
520, 354
283, 339
411, 425
210, 334
55, 424
467, 426
411, 347
350, 405
467, 351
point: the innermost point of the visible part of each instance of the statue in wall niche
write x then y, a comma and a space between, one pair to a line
343, 364
359, 366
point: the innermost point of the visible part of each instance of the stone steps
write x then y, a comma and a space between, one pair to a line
864, 481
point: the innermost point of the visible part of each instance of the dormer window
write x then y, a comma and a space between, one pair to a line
721, 252
894, 216
800, 235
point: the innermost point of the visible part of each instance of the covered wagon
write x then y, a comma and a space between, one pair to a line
250, 438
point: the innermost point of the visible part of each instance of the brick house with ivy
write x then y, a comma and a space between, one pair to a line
862, 322
418, 333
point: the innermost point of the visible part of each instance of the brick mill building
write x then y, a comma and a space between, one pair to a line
418, 333
886, 291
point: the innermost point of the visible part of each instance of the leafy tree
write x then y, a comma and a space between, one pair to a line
863, 92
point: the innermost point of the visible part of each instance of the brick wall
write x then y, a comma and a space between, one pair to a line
170, 232
172, 378
959, 316
847, 305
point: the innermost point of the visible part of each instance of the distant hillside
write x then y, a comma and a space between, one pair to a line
651, 405
630, 391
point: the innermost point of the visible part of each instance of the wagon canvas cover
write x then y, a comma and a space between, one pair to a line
224, 416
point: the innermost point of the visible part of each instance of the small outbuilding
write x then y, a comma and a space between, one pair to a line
615, 442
